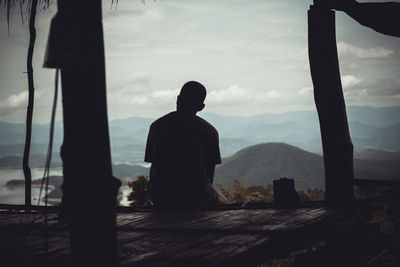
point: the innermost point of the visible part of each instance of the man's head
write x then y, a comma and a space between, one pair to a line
191, 98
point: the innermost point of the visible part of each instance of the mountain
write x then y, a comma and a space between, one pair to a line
376, 116
55, 183
229, 146
54, 180
370, 128
261, 164
370, 137
373, 154
17, 149
127, 172
272, 130
35, 161
132, 124
128, 153
14, 133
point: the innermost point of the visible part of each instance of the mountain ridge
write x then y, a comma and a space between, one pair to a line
262, 163
370, 128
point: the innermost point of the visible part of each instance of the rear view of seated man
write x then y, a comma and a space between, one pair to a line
183, 150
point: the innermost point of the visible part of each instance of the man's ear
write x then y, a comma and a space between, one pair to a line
201, 107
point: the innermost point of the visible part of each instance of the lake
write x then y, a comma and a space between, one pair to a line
16, 194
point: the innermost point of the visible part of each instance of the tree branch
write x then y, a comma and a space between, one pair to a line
29, 115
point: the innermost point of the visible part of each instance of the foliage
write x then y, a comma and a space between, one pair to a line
241, 193
388, 213
118, 199
126, 171
368, 192
24, 6
140, 194
314, 194
388, 217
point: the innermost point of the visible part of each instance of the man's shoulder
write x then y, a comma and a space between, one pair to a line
206, 125
162, 120
172, 118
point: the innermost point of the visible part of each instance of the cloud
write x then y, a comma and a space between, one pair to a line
234, 95
230, 95
383, 87
19, 101
305, 91
139, 100
349, 81
136, 19
16, 101
345, 50
131, 83
236, 47
237, 95
155, 98
374, 92
165, 94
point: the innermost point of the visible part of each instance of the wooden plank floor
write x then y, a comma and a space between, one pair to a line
193, 238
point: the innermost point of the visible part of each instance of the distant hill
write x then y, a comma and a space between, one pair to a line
373, 154
370, 128
229, 146
388, 169
54, 181
263, 163
376, 116
126, 172
35, 161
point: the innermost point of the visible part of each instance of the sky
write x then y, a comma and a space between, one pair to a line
250, 55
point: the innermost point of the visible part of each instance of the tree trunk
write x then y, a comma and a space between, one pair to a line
29, 113
329, 100
89, 188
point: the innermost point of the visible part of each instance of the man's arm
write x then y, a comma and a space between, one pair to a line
381, 17
149, 153
210, 172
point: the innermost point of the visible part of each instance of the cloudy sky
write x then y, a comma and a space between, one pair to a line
250, 55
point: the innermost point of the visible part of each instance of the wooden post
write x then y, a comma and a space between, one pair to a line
89, 188
329, 100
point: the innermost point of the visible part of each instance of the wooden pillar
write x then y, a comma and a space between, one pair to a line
329, 100
89, 188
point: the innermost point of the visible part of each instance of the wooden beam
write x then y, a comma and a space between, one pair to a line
87, 169
329, 100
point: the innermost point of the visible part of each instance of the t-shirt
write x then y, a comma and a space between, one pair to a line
183, 151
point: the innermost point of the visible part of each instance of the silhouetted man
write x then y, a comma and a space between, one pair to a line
183, 149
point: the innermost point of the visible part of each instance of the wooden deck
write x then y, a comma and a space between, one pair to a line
235, 237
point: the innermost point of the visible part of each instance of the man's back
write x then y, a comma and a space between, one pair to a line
183, 150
